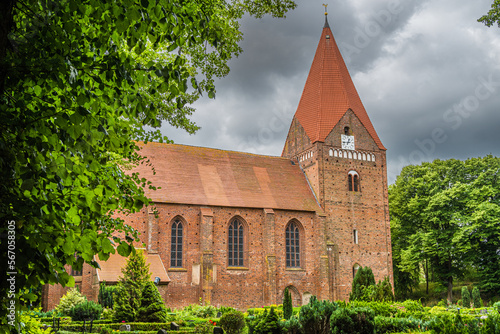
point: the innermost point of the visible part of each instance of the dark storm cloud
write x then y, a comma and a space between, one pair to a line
426, 72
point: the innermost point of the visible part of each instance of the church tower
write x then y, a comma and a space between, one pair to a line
338, 149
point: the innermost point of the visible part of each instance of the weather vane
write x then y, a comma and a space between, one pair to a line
325, 5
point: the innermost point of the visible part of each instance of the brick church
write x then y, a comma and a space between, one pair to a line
236, 229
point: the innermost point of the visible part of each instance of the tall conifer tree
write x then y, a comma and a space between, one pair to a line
135, 276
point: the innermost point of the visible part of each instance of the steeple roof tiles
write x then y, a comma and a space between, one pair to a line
329, 92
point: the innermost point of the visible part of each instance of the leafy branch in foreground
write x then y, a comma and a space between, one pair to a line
80, 83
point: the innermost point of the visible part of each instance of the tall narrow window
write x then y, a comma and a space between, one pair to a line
353, 181
356, 183
355, 234
355, 269
235, 242
292, 246
176, 244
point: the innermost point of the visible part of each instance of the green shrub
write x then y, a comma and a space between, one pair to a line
105, 297
394, 325
476, 297
363, 279
88, 310
287, 305
413, 305
29, 324
315, 316
232, 322
497, 306
152, 308
123, 310
356, 320
383, 291
384, 309
465, 297
107, 314
72, 298
269, 325
291, 326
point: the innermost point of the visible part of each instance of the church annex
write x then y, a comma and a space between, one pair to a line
236, 229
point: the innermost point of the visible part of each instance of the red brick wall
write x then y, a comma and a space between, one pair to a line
328, 251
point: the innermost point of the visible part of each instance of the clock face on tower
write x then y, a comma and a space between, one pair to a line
347, 142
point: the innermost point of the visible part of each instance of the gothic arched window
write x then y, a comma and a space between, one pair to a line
292, 237
176, 244
353, 181
236, 244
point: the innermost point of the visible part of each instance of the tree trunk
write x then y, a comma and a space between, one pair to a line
426, 277
450, 289
450, 281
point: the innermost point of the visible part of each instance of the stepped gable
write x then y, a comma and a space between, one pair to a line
212, 177
329, 92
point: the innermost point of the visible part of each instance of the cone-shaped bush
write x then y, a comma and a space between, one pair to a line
465, 297
476, 297
363, 279
287, 305
123, 310
152, 308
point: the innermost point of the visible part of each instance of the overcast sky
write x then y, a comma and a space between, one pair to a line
427, 72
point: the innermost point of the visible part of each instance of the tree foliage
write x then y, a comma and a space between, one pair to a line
465, 297
72, 298
363, 279
80, 82
287, 304
152, 307
130, 286
447, 213
493, 15
476, 297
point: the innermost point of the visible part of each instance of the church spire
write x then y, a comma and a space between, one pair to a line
326, 17
329, 93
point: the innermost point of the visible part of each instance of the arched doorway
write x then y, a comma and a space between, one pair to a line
296, 297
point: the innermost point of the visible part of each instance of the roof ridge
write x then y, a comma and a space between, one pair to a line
139, 143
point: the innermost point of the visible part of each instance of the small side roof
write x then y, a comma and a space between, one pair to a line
111, 269
212, 177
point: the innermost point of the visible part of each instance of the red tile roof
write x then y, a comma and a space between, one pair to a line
212, 177
329, 92
111, 269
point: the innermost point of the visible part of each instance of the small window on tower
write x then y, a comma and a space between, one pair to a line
353, 181
355, 234
347, 131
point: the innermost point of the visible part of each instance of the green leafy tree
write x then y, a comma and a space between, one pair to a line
72, 298
363, 280
447, 213
129, 288
493, 15
287, 304
476, 297
80, 83
152, 307
465, 297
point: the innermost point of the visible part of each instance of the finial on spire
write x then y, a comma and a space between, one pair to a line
326, 16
